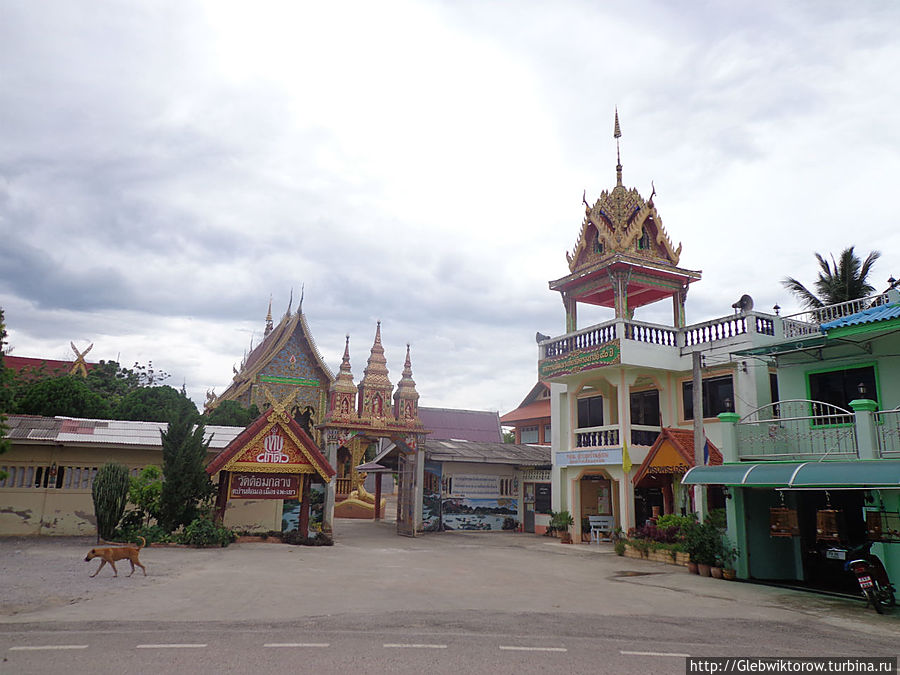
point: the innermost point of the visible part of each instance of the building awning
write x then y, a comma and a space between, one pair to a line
812, 341
883, 473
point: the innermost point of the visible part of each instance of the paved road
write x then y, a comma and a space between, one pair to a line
374, 602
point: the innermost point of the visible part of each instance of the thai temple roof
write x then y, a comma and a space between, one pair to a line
274, 341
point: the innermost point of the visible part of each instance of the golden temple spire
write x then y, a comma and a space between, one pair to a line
617, 134
342, 394
269, 318
406, 398
375, 387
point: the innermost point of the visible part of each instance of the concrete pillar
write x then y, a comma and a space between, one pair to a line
730, 450
699, 433
559, 442
420, 485
328, 506
737, 530
864, 423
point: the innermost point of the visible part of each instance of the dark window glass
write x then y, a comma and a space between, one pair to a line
773, 387
718, 396
645, 408
839, 387
542, 497
590, 412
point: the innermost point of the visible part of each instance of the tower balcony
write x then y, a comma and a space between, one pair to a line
629, 342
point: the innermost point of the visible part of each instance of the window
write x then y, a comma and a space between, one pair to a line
509, 487
718, 396
546, 433
590, 412
528, 435
542, 497
645, 408
839, 387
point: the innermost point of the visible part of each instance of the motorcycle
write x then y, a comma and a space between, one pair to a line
871, 576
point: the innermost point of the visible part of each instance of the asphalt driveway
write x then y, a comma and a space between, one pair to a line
371, 570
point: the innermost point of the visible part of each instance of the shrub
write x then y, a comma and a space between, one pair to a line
619, 547
717, 518
672, 520
110, 494
296, 539
703, 542
561, 521
651, 532
206, 533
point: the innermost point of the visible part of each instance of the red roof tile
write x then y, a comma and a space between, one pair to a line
533, 411
683, 442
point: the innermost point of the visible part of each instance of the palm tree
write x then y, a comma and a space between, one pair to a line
838, 281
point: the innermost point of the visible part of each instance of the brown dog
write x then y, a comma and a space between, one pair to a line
110, 554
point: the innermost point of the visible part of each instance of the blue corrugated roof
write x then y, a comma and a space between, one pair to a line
872, 315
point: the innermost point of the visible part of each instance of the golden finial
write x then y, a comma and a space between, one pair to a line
617, 134
79, 367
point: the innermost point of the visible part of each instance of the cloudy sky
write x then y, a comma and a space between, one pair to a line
166, 167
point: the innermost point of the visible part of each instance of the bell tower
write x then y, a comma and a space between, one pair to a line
623, 258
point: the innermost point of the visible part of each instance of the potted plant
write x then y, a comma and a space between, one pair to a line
564, 521
729, 555
703, 542
551, 527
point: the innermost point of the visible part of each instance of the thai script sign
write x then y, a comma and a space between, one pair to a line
474, 486
264, 486
273, 449
589, 457
668, 469
284, 379
580, 359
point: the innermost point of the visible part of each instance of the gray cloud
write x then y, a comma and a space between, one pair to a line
165, 167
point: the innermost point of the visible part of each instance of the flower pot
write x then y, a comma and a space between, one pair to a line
692, 567
729, 574
565, 538
703, 569
715, 572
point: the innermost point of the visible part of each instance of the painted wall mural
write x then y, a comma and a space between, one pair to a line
479, 502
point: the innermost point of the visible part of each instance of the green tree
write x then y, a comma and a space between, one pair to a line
185, 483
68, 395
155, 404
145, 490
110, 494
509, 436
838, 281
232, 414
111, 381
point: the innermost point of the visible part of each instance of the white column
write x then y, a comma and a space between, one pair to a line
328, 506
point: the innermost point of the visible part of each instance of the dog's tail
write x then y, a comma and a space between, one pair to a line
143, 543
